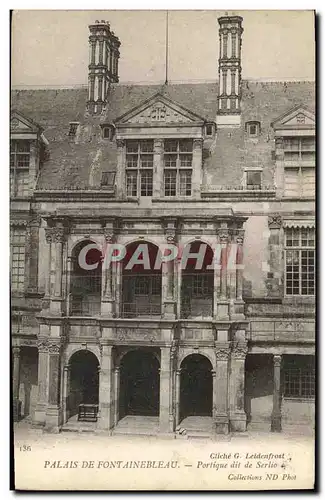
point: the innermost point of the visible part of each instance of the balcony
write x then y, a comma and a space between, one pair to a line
142, 308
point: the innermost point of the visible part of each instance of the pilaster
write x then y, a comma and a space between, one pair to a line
106, 396
276, 425
165, 388
237, 386
158, 168
220, 387
120, 169
197, 167
16, 382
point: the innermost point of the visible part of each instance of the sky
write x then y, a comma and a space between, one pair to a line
50, 48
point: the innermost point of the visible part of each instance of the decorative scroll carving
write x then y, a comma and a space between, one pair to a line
49, 346
131, 334
275, 221
222, 354
239, 351
55, 234
277, 360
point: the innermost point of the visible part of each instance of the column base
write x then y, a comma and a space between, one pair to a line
221, 424
238, 421
56, 305
223, 310
276, 425
53, 419
104, 420
169, 308
106, 308
39, 415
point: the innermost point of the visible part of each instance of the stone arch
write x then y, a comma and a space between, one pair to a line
188, 352
119, 357
74, 244
73, 350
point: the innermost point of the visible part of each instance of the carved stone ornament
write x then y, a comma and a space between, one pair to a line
223, 236
48, 234
109, 234
239, 351
54, 234
173, 351
277, 360
240, 237
275, 221
222, 354
120, 143
49, 346
14, 123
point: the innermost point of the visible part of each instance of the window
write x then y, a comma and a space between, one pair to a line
17, 258
139, 168
253, 179
202, 285
300, 261
19, 167
147, 285
299, 377
209, 129
253, 128
299, 166
108, 179
178, 156
108, 132
73, 129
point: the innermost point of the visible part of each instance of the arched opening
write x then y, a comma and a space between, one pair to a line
28, 387
141, 280
86, 280
139, 384
197, 281
196, 387
84, 381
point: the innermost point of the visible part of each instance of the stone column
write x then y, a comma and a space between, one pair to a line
237, 387
223, 302
164, 400
197, 167
168, 272
57, 239
53, 419
107, 300
158, 168
120, 170
42, 376
33, 236
178, 396
105, 389
220, 393
276, 412
239, 303
16, 381
66, 392
116, 395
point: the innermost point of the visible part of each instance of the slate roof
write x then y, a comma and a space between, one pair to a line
78, 163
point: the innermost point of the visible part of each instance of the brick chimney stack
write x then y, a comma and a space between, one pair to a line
103, 64
230, 41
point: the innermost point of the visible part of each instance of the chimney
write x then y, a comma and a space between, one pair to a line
230, 40
103, 64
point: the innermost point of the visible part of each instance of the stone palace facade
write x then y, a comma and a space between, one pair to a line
229, 165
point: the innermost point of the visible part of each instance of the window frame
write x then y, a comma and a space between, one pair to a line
253, 123
178, 155
300, 248
139, 170
16, 169
305, 376
20, 245
255, 171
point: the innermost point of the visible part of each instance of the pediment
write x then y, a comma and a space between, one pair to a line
298, 117
159, 110
21, 124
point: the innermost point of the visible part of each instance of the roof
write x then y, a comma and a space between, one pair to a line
78, 163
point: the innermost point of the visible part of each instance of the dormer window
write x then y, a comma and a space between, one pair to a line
209, 129
73, 129
253, 128
253, 179
108, 132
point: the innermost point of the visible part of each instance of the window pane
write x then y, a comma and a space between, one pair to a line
146, 161
170, 183
22, 183
170, 145
308, 144
185, 182
308, 181
291, 182
131, 183
292, 272
132, 146
17, 243
185, 145
185, 160
146, 146
146, 183
170, 160
253, 179
22, 160
131, 161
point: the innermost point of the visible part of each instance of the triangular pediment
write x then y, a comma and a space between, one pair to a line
295, 118
21, 124
159, 110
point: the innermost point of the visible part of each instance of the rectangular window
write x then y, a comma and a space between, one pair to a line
299, 377
300, 261
19, 167
139, 168
178, 157
299, 181
253, 179
299, 166
73, 129
17, 257
108, 179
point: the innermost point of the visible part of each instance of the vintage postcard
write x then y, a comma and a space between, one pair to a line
162, 232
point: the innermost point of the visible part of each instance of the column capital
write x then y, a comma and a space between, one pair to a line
16, 351
275, 221
277, 359
197, 143
239, 350
55, 234
120, 143
222, 354
50, 346
223, 235
170, 225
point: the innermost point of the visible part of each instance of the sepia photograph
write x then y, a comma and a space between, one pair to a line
162, 250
